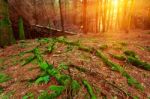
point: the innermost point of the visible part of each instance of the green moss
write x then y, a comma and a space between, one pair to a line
89, 89
139, 63
131, 53
4, 77
21, 29
119, 57
6, 32
103, 47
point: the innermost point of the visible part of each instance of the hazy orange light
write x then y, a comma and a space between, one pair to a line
115, 3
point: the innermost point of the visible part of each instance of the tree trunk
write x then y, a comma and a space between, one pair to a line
61, 16
21, 29
85, 16
6, 32
97, 18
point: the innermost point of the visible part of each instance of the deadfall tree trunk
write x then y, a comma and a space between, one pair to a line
6, 32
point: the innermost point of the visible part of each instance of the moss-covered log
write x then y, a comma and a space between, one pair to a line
6, 32
134, 59
114, 66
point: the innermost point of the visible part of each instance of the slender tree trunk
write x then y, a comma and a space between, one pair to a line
21, 29
61, 16
85, 16
6, 32
130, 14
97, 18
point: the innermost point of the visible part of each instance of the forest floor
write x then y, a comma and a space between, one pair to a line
21, 76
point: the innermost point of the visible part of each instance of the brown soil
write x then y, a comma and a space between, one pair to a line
137, 41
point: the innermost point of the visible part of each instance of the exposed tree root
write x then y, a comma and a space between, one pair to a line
116, 67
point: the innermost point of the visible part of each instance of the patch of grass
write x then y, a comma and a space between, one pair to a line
1, 90
28, 96
116, 67
139, 63
123, 43
43, 79
147, 48
133, 58
119, 57
117, 46
103, 47
131, 53
84, 57
28, 60
89, 89
69, 48
51, 45
4, 77
7, 95
2, 60
44, 95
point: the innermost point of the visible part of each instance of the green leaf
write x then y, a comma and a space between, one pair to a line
44, 79
28, 96
4, 77
131, 53
28, 60
75, 85
44, 65
44, 95
133, 81
1, 90
57, 89
139, 63
89, 89
62, 66
119, 57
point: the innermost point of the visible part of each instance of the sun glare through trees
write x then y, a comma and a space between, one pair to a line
74, 49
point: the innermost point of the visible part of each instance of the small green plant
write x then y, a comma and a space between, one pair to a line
119, 57
57, 91
4, 77
44, 95
89, 89
69, 48
131, 53
51, 45
139, 63
114, 66
43, 79
103, 47
28, 96
133, 58
75, 85
28, 60
123, 43
62, 66
1, 90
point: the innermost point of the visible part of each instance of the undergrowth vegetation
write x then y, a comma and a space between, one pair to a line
66, 83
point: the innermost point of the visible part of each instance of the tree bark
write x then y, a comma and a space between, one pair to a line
85, 16
6, 32
61, 16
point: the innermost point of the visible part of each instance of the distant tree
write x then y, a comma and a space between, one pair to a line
97, 15
85, 16
61, 15
21, 29
6, 32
